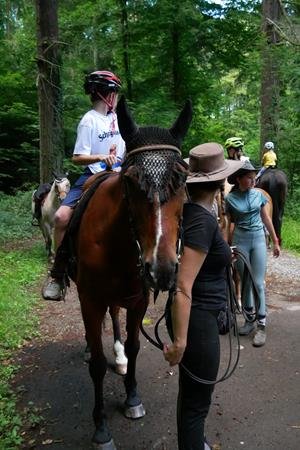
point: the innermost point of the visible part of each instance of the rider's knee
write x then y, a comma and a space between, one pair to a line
62, 217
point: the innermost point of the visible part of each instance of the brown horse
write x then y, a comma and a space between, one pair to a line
128, 243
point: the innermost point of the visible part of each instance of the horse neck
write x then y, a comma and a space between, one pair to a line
52, 196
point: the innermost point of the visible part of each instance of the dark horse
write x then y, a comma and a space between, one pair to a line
275, 182
127, 243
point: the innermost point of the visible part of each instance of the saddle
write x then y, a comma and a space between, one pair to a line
39, 196
65, 264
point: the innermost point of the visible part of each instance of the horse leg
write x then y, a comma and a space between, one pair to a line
97, 368
134, 408
46, 231
121, 359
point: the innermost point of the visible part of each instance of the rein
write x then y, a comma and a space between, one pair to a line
232, 308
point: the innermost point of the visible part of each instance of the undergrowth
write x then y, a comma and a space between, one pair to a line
22, 262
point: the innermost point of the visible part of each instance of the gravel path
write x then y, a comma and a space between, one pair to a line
283, 275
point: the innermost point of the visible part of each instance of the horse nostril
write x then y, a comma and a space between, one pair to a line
149, 273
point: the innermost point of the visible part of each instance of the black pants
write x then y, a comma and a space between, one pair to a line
202, 358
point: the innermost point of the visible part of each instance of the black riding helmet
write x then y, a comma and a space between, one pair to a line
101, 81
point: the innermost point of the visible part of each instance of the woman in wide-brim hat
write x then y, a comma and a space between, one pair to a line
246, 208
201, 293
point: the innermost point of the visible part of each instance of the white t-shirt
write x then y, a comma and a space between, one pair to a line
96, 133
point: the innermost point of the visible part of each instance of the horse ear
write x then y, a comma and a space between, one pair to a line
181, 125
127, 125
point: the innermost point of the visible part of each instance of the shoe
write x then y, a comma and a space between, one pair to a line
53, 290
246, 328
260, 336
206, 445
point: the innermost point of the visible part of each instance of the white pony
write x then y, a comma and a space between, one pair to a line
45, 201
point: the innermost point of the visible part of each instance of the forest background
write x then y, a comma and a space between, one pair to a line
237, 60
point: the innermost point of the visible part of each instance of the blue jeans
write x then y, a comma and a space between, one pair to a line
253, 244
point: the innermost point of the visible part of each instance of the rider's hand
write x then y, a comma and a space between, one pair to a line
109, 160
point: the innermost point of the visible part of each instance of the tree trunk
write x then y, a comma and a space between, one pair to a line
270, 86
125, 44
49, 90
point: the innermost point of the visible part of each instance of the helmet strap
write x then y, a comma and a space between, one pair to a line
109, 100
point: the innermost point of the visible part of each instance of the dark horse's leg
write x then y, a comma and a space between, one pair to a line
121, 359
93, 318
133, 405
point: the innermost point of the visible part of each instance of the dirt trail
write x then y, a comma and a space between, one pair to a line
257, 408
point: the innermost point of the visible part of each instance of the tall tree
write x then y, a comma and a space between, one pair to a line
125, 46
49, 90
270, 85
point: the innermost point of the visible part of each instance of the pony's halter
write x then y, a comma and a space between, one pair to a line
62, 193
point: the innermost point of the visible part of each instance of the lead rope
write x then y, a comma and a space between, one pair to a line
233, 309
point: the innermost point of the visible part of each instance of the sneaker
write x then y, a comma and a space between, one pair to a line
206, 445
260, 336
53, 290
246, 328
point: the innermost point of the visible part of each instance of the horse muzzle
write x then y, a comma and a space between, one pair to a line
161, 276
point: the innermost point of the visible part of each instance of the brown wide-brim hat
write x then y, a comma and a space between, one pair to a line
207, 163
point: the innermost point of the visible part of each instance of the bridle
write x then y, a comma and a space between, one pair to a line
134, 233
59, 193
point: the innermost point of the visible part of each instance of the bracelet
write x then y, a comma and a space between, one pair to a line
187, 296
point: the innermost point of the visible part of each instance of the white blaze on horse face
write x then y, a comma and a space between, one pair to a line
158, 228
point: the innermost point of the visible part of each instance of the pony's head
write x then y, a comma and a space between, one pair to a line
154, 176
61, 185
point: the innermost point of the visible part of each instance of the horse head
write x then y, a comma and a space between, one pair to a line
61, 185
154, 175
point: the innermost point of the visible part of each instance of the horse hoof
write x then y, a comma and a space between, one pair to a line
110, 445
121, 369
134, 412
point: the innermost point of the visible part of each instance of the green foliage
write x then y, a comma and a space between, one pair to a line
207, 51
15, 223
21, 266
20, 270
291, 234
